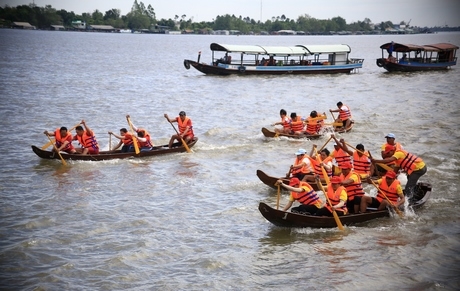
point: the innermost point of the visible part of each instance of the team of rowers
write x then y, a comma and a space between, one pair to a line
344, 188
138, 137
296, 125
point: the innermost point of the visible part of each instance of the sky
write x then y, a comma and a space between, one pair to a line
419, 12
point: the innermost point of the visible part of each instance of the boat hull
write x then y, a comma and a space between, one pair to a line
289, 219
269, 133
226, 69
413, 66
110, 155
271, 181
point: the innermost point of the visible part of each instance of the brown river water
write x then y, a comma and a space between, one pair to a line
190, 221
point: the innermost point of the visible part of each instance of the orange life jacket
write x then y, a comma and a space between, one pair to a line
361, 165
334, 197
297, 125
389, 190
408, 162
308, 197
144, 144
318, 169
128, 140
183, 126
61, 139
353, 189
313, 125
305, 169
87, 141
341, 157
344, 114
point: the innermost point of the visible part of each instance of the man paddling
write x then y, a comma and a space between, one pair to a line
185, 128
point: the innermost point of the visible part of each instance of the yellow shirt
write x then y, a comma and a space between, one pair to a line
418, 165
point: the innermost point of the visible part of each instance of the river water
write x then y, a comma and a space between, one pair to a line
190, 221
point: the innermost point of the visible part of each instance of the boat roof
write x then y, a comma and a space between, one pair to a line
281, 50
399, 47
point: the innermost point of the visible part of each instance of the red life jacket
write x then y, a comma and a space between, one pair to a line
344, 114
297, 125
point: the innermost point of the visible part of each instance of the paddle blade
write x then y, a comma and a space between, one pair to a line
337, 220
185, 145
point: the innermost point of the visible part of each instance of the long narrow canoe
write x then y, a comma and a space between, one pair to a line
270, 133
110, 155
270, 180
289, 219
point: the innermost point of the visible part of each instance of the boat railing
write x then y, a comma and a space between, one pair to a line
356, 61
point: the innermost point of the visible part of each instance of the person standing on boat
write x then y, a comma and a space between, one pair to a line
337, 196
390, 138
390, 186
340, 156
185, 128
344, 114
285, 122
87, 140
302, 165
297, 126
63, 140
304, 193
143, 139
126, 139
352, 183
411, 164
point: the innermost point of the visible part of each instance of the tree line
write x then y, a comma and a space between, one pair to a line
142, 17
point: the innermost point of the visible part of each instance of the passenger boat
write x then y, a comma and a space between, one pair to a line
276, 60
110, 155
411, 57
289, 219
270, 133
271, 181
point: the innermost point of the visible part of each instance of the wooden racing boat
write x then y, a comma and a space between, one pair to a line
270, 133
289, 219
110, 155
270, 180
276, 60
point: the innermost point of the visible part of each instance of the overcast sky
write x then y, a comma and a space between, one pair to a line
420, 12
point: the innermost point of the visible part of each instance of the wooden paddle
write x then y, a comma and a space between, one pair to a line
391, 203
278, 197
325, 144
320, 185
110, 142
375, 167
52, 141
386, 167
183, 141
334, 124
136, 145
56, 149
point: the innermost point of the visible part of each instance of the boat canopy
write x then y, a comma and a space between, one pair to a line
327, 49
297, 50
438, 47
